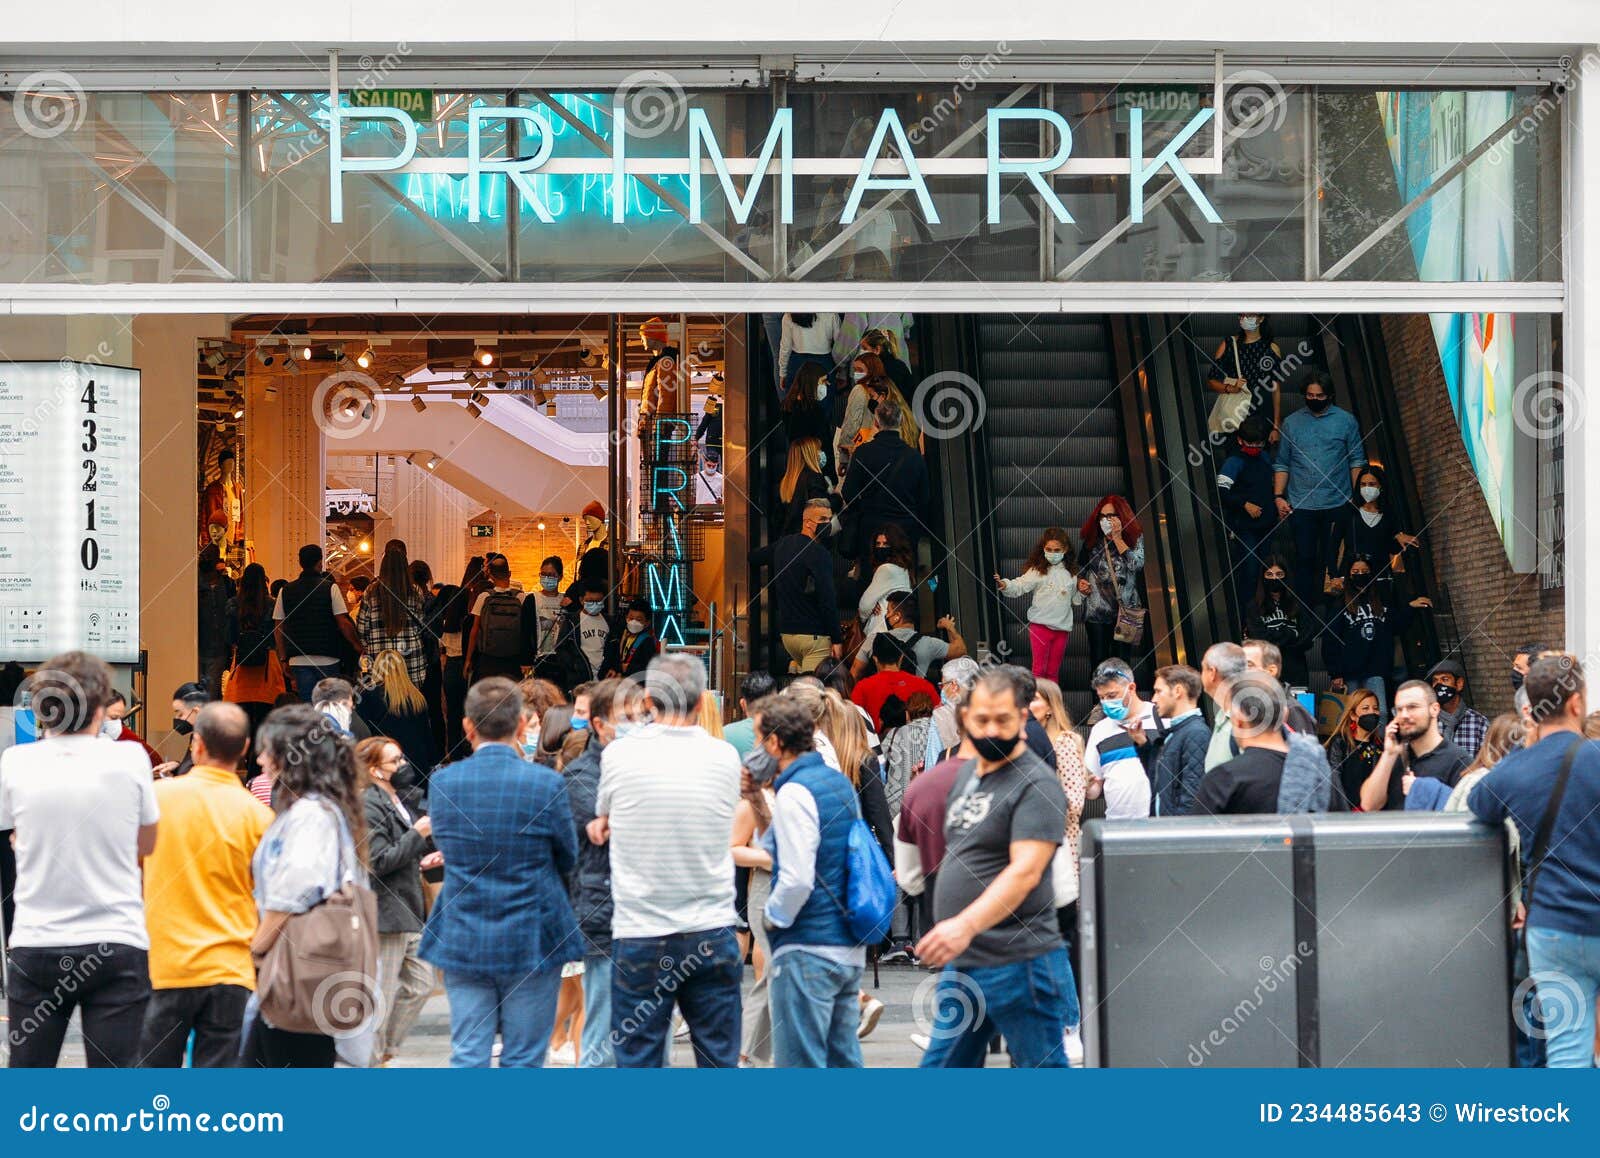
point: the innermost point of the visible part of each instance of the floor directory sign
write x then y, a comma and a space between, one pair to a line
69, 510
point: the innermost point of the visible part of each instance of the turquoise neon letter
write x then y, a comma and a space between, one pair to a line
1139, 172
781, 132
338, 166
619, 164
888, 123
1034, 169
673, 492
513, 168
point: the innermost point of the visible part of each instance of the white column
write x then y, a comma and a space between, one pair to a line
1581, 358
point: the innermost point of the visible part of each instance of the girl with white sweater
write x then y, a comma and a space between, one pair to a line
1045, 576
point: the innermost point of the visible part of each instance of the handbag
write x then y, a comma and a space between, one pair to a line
870, 894
1130, 619
1229, 411
1541, 847
321, 974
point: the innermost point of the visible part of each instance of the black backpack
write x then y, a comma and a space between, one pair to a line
500, 625
255, 643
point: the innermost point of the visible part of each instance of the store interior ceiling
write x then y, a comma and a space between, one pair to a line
443, 356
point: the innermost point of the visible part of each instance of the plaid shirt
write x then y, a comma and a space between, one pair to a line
1468, 731
407, 641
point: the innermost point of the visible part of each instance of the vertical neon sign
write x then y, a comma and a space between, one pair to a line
667, 579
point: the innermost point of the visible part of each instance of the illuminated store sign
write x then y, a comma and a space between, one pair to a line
873, 172
667, 577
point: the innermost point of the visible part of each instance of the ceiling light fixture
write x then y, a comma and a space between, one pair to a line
418, 404
263, 357
364, 358
472, 409
305, 352
483, 356
433, 461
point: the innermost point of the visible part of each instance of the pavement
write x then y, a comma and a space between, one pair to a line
906, 991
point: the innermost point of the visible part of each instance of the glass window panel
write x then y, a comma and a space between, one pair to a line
77, 163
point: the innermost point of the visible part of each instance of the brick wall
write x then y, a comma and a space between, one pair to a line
525, 546
1496, 608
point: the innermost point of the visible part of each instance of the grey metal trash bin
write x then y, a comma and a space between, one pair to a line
1330, 940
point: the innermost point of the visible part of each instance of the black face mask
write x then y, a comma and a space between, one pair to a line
872, 406
1445, 692
1516, 680
880, 554
1318, 405
1273, 586
1360, 582
181, 726
1367, 721
994, 748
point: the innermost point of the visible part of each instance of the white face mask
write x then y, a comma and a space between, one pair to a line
822, 391
1249, 324
111, 729
858, 375
1054, 557
1370, 494
635, 627
1105, 525
340, 714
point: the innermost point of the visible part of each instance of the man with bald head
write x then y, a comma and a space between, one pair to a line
198, 899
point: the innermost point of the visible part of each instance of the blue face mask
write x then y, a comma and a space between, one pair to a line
593, 608
579, 723
626, 728
1114, 709
549, 582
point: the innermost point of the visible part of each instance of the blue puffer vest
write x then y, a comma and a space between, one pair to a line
821, 920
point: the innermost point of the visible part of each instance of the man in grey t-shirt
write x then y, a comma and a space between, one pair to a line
996, 930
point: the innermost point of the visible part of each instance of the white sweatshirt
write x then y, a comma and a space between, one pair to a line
1052, 592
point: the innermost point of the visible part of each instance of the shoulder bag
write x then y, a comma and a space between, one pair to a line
1229, 411
321, 974
1130, 619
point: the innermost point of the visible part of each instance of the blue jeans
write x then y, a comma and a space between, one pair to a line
597, 1051
521, 1006
306, 676
700, 973
1566, 969
1027, 1002
814, 1012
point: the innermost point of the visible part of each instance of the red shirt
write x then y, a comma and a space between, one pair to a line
872, 691
922, 811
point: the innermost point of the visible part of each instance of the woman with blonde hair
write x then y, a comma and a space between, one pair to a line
393, 706
846, 730
710, 714
803, 480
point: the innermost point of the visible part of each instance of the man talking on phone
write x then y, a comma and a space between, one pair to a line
1412, 747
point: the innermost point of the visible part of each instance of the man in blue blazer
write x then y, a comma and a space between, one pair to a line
503, 925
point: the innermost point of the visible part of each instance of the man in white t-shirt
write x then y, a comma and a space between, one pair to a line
593, 627
665, 805
84, 810
1114, 754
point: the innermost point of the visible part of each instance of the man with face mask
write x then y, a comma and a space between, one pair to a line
945, 733
1115, 754
1521, 660
629, 651
995, 900
336, 700
611, 703
1463, 726
186, 704
1319, 459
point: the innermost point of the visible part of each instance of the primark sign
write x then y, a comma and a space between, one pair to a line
889, 162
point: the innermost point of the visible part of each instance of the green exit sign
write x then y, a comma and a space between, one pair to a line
1158, 104
416, 101
480, 531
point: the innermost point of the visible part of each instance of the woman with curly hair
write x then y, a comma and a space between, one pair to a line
1110, 575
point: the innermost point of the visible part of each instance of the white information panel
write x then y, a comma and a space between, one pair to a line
69, 510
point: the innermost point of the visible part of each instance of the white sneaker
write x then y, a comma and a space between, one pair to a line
870, 1013
680, 1027
563, 1055
920, 1040
1072, 1043
497, 1047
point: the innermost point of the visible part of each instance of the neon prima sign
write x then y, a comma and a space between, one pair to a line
874, 172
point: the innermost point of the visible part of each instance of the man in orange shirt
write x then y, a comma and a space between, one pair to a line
199, 899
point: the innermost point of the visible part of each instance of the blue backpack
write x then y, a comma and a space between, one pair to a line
869, 885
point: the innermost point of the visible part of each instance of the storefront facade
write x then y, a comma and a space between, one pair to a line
991, 159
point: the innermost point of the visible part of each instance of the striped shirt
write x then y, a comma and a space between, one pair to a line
669, 793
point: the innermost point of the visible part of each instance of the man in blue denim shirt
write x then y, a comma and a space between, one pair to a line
1319, 457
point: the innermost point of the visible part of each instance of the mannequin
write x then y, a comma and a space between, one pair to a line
220, 508
594, 550
663, 389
